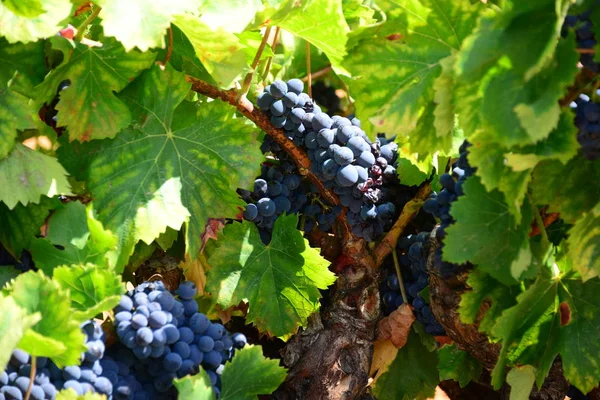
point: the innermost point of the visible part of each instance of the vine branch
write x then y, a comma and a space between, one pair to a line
410, 210
308, 75
319, 73
265, 74
261, 120
31, 377
169, 47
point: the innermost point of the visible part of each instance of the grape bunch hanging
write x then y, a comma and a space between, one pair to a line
161, 337
342, 157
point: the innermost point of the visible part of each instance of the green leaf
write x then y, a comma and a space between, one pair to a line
70, 394
7, 274
525, 33
500, 251
223, 55
394, 73
320, 22
521, 380
418, 380
25, 8
57, 334
81, 239
534, 307
229, 15
21, 224
584, 245
280, 280
195, 387
458, 365
566, 188
17, 27
580, 356
409, 174
141, 23
89, 107
485, 289
92, 289
178, 163
250, 374
31, 175
14, 322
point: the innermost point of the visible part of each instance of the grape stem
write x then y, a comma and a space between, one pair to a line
409, 211
245, 107
81, 28
31, 377
257, 56
399, 273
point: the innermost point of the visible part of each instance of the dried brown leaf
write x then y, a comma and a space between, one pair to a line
396, 326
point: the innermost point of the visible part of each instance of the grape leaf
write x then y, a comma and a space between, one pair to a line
141, 23
7, 274
566, 188
500, 248
458, 365
394, 73
580, 357
30, 175
409, 174
57, 334
223, 55
584, 245
70, 394
280, 281
250, 374
510, 34
21, 224
521, 380
195, 387
21, 66
418, 380
93, 289
17, 27
89, 106
73, 237
178, 163
485, 289
14, 322
184, 58
25, 8
229, 15
320, 22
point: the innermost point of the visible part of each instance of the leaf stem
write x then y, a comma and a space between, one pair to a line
319, 73
169, 47
265, 73
249, 75
308, 75
82, 28
539, 221
31, 377
399, 273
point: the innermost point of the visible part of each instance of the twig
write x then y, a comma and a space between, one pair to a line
249, 75
81, 28
319, 73
265, 74
399, 273
539, 222
583, 79
586, 51
31, 377
308, 75
410, 210
169, 47
547, 220
261, 120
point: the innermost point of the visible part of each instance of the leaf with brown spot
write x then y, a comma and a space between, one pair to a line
396, 326
565, 313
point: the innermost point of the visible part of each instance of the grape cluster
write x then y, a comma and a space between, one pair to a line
587, 120
586, 39
439, 204
341, 154
164, 337
92, 376
413, 265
